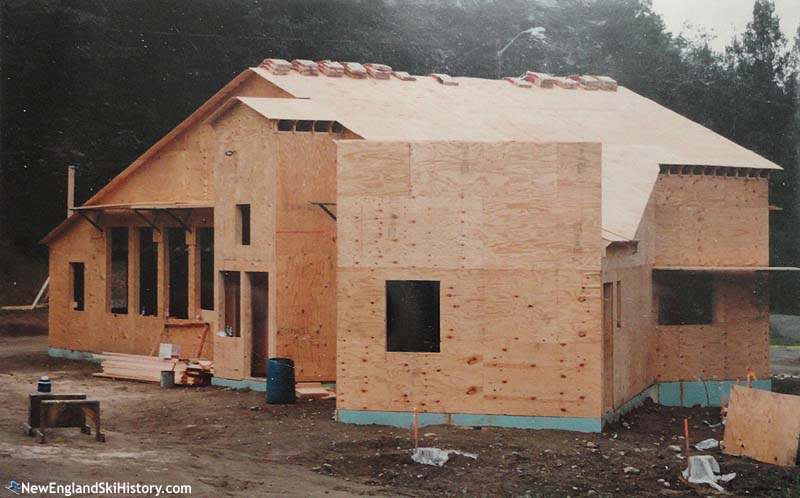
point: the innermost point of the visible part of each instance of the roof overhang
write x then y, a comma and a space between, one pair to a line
81, 213
292, 109
727, 269
146, 206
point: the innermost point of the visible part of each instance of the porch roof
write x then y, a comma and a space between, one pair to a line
147, 206
731, 269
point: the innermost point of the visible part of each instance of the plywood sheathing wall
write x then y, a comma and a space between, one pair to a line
512, 232
245, 167
95, 328
715, 221
711, 221
693, 221
633, 326
279, 174
181, 170
305, 239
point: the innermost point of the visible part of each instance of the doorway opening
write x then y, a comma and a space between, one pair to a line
232, 297
608, 346
259, 316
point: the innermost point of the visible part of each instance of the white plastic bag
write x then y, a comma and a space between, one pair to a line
437, 457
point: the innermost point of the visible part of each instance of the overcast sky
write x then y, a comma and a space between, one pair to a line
723, 17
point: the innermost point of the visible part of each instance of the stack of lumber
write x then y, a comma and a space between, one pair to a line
542, 80
197, 373
566, 83
305, 67
378, 71
354, 70
607, 83
148, 368
444, 79
403, 75
520, 82
276, 66
313, 390
586, 82
330, 68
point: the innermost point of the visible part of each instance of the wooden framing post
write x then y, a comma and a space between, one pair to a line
70, 189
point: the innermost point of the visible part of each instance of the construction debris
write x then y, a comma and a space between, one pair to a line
436, 456
704, 469
707, 444
149, 368
313, 390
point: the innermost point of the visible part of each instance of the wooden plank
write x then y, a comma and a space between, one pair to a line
762, 425
41, 291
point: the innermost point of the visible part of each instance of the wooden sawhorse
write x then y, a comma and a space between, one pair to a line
63, 410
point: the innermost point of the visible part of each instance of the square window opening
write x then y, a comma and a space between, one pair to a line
412, 316
285, 125
304, 126
684, 298
322, 126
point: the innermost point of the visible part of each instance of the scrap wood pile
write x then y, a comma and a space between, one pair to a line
313, 390
148, 368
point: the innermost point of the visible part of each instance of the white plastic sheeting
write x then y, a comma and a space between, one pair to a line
704, 469
436, 456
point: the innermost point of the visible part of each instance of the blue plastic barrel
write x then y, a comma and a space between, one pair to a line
280, 381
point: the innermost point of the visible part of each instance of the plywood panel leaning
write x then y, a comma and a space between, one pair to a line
762, 425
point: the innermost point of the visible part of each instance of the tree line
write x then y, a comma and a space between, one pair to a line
95, 83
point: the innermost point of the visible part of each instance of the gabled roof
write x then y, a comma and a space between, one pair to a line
637, 134
272, 108
215, 101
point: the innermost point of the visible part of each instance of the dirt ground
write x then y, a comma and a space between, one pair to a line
231, 443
